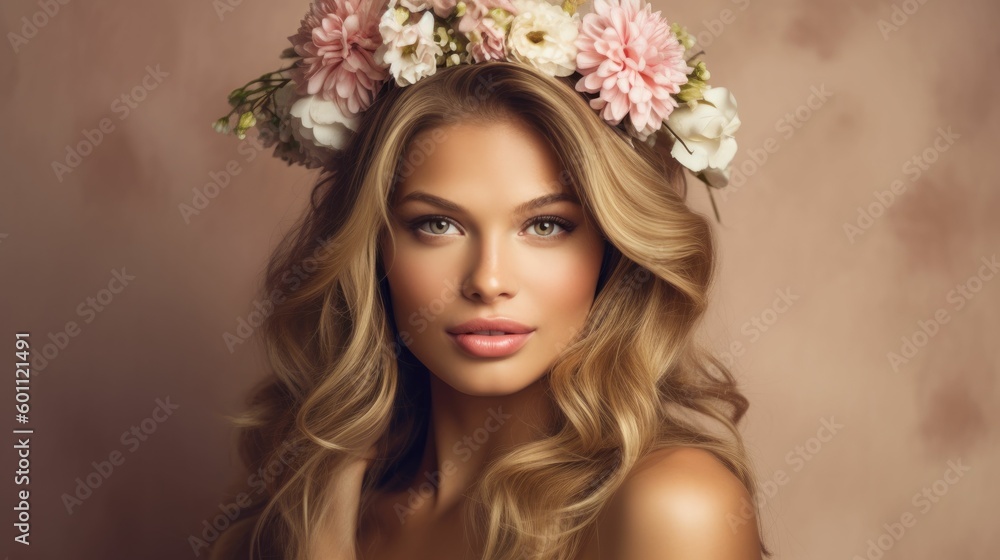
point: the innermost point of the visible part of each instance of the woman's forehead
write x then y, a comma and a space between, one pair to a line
497, 161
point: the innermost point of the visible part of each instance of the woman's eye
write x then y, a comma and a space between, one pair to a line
546, 225
437, 226
544, 228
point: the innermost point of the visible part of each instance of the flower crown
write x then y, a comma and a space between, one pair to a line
635, 69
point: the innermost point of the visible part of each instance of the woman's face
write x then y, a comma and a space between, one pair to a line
487, 227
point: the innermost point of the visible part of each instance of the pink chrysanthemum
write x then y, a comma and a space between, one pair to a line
476, 10
337, 41
629, 55
486, 42
486, 36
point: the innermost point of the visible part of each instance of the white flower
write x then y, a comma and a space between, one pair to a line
706, 127
544, 36
410, 51
318, 122
284, 136
415, 5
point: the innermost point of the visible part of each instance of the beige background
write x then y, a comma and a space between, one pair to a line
823, 359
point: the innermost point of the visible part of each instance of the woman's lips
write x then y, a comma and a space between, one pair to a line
490, 346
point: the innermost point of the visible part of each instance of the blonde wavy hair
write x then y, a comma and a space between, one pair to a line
632, 381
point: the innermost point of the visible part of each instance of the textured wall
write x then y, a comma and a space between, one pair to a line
836, 270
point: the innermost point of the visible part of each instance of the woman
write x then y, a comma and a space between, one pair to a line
580, 436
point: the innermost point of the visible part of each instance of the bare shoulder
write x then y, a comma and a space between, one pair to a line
681, 503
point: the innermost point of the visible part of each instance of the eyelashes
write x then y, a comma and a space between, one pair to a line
566, 225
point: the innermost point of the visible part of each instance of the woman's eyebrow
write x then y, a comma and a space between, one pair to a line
521, 209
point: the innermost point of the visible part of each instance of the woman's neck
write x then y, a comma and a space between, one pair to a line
467, 432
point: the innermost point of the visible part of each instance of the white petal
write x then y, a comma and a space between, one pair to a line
696, 160
334, 136
725, 153
426, 24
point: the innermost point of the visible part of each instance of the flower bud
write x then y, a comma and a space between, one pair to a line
247, 120
701, 71
236, 97
692, 91
683, 37
222, 125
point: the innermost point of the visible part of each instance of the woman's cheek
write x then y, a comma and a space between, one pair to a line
420, 280
568, 280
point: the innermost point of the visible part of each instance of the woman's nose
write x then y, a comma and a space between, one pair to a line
492, 272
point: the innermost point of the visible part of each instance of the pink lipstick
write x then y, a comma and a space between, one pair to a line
490, 338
